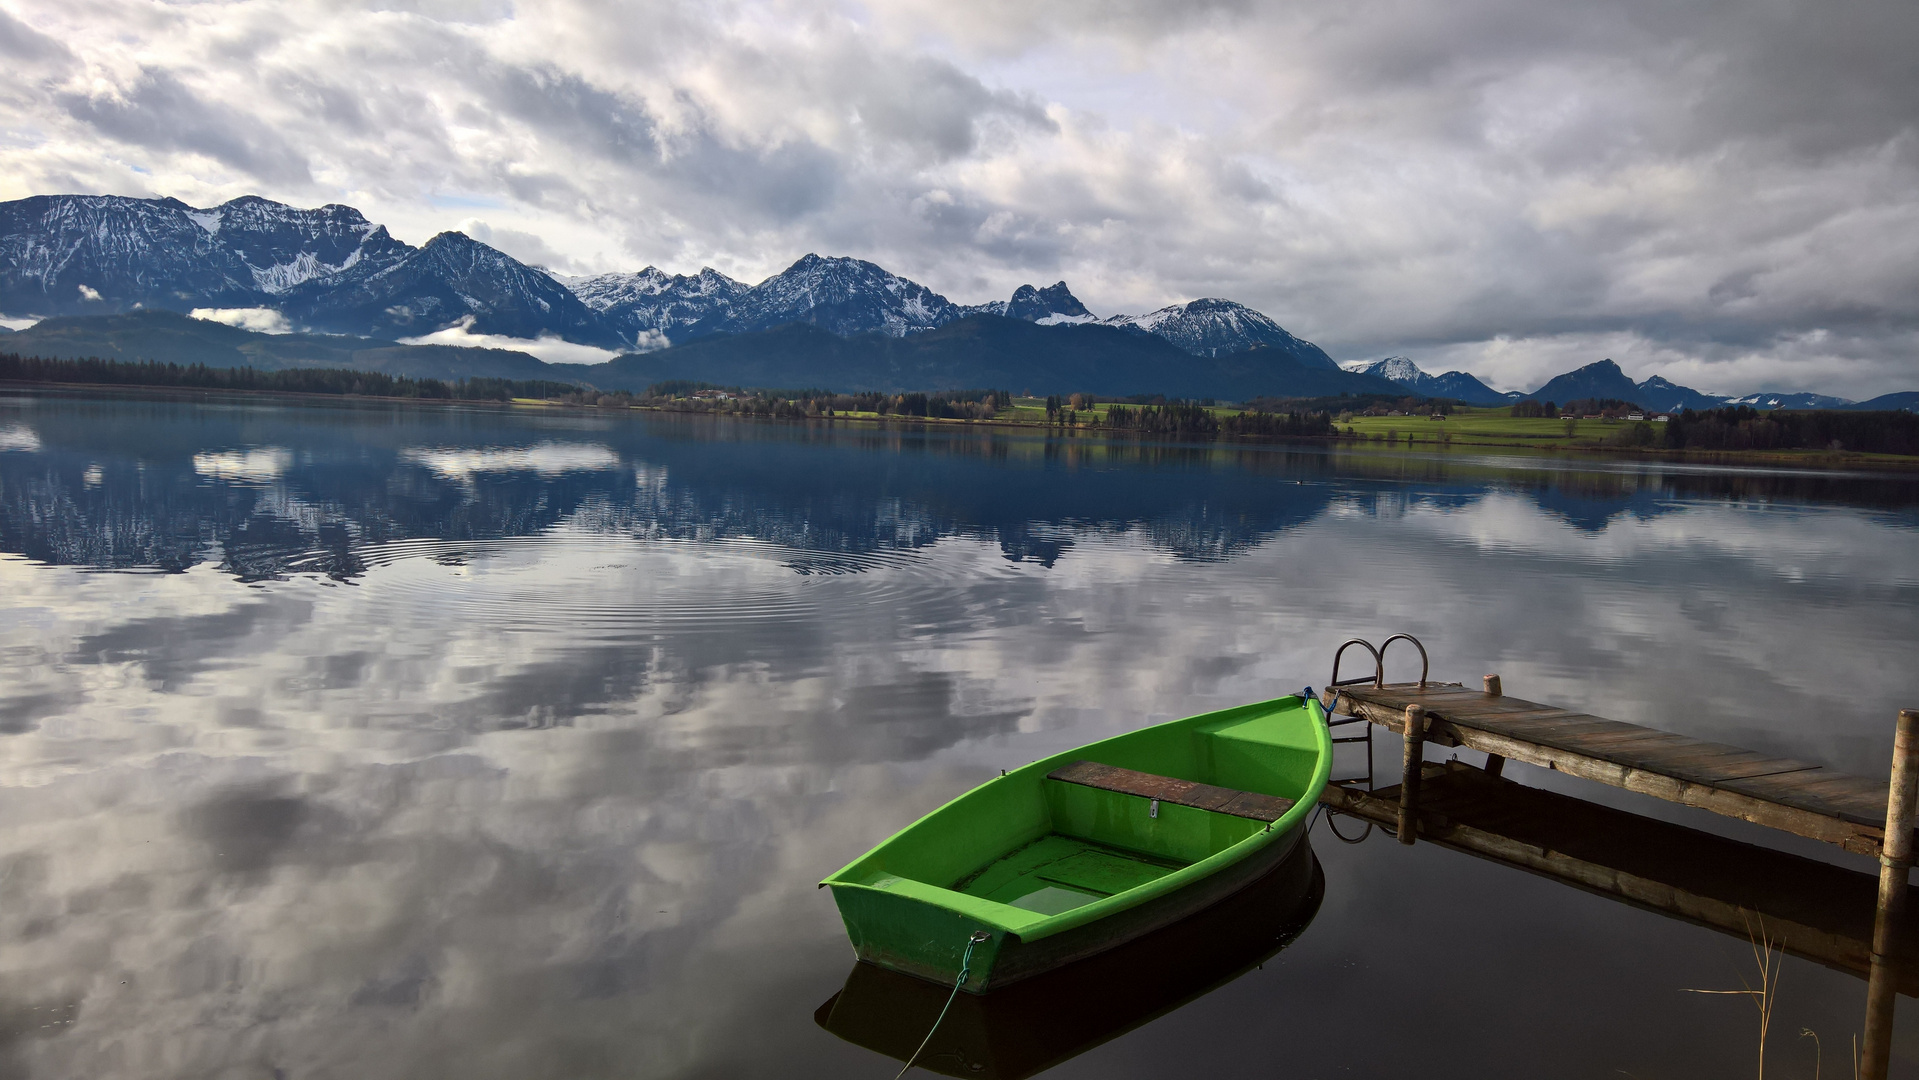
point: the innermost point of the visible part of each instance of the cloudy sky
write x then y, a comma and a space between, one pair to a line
1723, 193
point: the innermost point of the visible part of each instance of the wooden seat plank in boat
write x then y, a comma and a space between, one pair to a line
1796, 796
1167, 789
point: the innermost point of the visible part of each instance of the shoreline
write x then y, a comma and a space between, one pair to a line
1813, 460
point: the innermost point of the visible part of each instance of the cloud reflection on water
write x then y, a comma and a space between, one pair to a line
540, 777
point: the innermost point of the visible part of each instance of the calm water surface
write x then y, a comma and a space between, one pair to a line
357, 741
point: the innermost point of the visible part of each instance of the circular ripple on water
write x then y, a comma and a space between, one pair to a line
608, 586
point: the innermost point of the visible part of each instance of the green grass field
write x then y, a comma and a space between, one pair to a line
1490, 427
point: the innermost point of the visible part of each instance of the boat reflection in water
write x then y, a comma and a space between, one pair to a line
1037, 1023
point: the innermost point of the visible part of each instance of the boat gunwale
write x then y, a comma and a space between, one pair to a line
1008, 919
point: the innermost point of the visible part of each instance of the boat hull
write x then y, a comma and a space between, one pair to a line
1007, 958
1044, 1020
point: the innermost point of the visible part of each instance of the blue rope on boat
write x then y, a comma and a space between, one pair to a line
966, 968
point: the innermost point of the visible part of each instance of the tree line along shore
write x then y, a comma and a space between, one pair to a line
1811, 436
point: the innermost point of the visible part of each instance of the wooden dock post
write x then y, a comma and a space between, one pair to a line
1415, 759
1895, 859
1495, 764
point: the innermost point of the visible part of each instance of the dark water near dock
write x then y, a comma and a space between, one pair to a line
357, 740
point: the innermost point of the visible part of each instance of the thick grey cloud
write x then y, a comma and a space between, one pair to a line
1724, 194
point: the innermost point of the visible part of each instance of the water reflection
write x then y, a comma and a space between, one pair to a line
174, 484
1031, 1026
464, 743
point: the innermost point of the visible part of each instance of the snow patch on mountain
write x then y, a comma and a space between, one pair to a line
305, 266
1772, 399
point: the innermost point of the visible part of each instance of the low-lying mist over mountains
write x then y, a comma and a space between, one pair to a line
272, 285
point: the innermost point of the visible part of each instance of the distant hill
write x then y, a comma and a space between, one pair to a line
1904, 400
1658, 394
1597, 380
981, 351
171, 338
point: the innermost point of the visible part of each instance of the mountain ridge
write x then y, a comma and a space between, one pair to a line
330, 270
333, 271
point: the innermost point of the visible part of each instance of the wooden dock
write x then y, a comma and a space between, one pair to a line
1793, 796
1821, 910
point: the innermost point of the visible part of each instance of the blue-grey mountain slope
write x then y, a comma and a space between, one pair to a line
169, 337
1904, 400
1666, 397
985, 352
1602, 379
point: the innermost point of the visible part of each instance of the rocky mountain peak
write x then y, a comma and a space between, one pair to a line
1211, 326
1053, 304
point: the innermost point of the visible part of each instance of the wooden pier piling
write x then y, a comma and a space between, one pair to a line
1895, 860
1415, 756
1495, 764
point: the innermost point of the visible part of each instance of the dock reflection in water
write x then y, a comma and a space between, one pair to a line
1037, 1023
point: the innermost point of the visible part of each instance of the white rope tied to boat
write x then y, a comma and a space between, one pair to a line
966, 968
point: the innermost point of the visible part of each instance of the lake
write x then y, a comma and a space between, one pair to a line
370, 740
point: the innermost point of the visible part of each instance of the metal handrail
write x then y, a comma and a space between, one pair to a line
1379, 666
1424, 664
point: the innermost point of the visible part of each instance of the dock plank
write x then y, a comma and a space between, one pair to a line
1796, 796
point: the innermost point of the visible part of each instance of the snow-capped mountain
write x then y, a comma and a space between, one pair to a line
94, 254
328, 268
651, 308
1768, 399
1051, 306
845, 296
1213, 327
283, 246
1458, 385
452, 279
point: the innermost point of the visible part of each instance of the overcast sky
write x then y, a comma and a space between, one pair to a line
1724, 193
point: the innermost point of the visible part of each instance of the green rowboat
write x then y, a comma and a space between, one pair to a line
1082, 851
